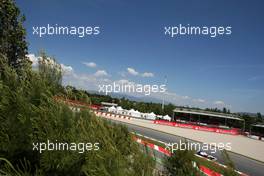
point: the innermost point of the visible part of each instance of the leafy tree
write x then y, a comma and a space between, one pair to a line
168, 109
230, 170
224, 110
29, 114
248, 121
259, 117
50, 71
181, 163
12, 34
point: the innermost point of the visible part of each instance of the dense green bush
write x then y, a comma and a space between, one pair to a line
181, 163
29, 114
12, 34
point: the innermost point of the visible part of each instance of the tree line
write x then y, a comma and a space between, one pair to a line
147, 107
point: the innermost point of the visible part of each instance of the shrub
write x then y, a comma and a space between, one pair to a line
29, 114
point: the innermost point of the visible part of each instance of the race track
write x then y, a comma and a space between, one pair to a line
242, 163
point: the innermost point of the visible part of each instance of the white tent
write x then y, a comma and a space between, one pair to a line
120, 110
131, 110
137, 114
112, 109
143, 115
159, 116
166, 117
134, 113
151, 116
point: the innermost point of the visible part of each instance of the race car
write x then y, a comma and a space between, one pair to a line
205, 155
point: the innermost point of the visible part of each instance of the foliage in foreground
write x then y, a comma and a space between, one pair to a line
29, 114
230, 169
181, 163
12, 34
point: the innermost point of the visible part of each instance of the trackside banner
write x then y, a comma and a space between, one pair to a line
232, 131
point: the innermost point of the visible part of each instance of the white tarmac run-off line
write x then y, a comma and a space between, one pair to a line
240, 144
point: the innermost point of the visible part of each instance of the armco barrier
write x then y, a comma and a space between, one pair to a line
197, 127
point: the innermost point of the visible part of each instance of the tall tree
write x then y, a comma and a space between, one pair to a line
224, 110
12, 34
259, 117
50, 71
230, 167
181, 163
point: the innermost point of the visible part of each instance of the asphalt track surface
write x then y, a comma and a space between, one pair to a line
242, 163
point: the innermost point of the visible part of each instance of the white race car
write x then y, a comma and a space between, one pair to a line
205, 155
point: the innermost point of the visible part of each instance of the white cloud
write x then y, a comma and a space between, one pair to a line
90, 64
35, 62
122, 73
132, 71
66, 69
185, 97
199, 100
34, 59
147, 74
100, 73
81, 81
122, 81
91, 82
219, 102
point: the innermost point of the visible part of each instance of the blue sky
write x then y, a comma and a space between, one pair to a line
201, 71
